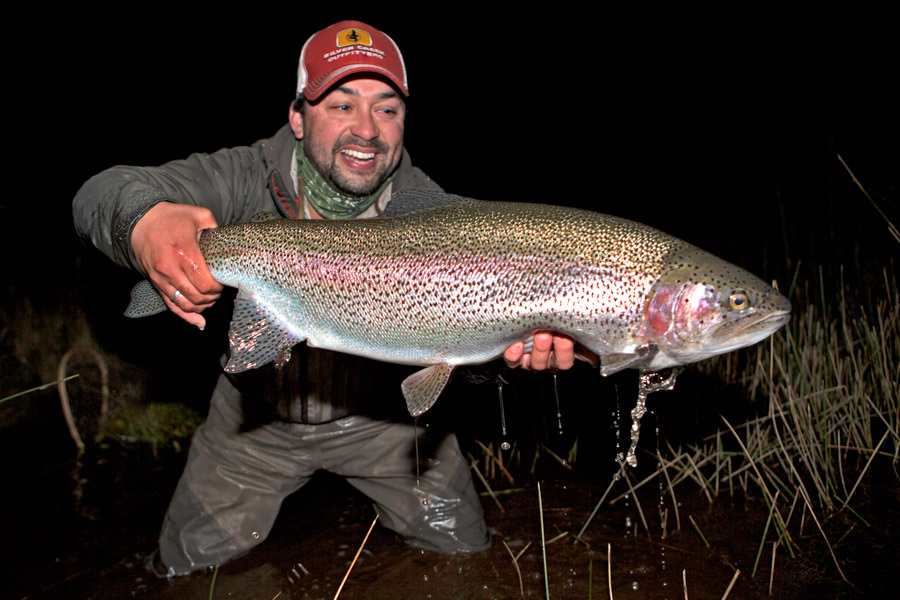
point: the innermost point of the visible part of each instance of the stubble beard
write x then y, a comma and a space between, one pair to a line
326, 163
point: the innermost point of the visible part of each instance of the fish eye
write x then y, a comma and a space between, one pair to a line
738, 300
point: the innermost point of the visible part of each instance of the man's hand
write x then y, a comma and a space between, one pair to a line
549, 351
164, 241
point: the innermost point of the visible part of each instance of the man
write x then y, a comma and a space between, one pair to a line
340, 156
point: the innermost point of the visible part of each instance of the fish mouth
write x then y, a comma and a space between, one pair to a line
747, 332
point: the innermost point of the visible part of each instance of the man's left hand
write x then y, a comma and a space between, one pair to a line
549, 351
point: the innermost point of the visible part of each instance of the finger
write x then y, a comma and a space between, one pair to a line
176, 302
179, 289
191, 316
563, 352
183, 308
199, 303
201, 279
186, 282
513, 355
541, 352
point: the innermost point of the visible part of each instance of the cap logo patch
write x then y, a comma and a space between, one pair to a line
353, 42
353, 37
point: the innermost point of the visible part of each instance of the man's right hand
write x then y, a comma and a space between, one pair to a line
164, 241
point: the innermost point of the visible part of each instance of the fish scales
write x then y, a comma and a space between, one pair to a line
420, 290
458, 284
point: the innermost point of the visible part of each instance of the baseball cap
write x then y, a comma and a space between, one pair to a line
345, 48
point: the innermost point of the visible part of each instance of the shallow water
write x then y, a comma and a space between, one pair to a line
81, 529
94, 548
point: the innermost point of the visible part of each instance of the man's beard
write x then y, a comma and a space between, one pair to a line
326, 164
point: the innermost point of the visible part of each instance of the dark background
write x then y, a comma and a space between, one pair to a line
720, 128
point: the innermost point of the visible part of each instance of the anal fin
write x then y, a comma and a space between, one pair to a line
422, 388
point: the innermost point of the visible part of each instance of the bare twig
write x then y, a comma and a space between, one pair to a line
353, 562
734, 579
515, 559
484, 482
543, 543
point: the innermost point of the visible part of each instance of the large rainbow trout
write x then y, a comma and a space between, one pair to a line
457, 284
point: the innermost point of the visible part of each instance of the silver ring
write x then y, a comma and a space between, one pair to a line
174, 296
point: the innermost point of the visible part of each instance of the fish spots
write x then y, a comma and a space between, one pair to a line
460, 283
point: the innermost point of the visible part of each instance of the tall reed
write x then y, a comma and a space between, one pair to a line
833, 407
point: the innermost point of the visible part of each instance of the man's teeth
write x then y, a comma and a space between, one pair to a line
359, 155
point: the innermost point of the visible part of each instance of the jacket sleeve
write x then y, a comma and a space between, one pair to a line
230, 182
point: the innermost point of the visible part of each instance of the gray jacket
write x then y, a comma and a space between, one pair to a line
237, 184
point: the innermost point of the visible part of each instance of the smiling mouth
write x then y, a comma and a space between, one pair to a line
358, 155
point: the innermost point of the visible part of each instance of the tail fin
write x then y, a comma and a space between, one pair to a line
145, 301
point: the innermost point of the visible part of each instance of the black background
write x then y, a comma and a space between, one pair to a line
721, 128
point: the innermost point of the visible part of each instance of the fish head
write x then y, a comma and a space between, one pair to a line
710, 307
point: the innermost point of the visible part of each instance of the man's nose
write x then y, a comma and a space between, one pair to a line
365, 126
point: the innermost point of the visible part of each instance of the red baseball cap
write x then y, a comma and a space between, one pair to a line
343, 49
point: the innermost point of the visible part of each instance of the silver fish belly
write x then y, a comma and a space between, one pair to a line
458, 284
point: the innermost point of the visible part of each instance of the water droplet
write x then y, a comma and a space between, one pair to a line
634, 585
505, 446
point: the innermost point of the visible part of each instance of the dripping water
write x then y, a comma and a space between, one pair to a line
617, 423
416, 443
504, 443
649, 382
558, 410
418, 467
662, 510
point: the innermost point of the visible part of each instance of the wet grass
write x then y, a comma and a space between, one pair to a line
157, 425
833, 411
830, 394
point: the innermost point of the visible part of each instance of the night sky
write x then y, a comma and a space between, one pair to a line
723, 129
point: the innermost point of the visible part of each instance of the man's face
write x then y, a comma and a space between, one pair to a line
353, 135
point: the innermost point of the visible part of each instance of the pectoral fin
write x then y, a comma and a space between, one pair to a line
422, 388
257, 336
